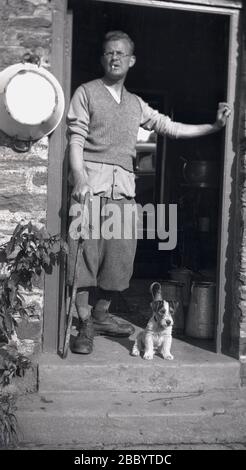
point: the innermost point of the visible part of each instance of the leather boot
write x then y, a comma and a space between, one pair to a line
83, 343
112, 327
106, 324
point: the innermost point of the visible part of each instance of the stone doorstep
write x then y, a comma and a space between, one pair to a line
111, 398
126, 418
111, 368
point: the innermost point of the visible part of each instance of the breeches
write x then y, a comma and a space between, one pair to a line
106, 261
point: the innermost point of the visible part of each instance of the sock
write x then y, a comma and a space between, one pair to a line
82, 306
102, 305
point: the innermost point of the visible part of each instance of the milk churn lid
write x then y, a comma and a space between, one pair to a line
174, 282
204, 284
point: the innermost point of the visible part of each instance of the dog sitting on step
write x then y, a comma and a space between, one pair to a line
157, 336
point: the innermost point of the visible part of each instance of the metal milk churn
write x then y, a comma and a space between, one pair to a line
173, 291
201, 313
184, 276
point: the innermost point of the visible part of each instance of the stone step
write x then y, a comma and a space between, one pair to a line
131, 419
112, 368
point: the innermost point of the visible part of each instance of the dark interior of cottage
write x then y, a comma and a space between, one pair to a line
181, 70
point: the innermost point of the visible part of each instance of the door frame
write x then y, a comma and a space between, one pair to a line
54, 304
54, 290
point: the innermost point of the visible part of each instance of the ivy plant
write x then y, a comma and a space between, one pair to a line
30, 252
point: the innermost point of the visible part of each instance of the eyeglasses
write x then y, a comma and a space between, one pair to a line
118, 54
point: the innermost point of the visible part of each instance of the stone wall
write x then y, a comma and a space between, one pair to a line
25, 26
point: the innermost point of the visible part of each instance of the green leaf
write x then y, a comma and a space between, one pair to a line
8, 323
14, 253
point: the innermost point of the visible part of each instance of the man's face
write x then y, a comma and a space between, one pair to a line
117, 59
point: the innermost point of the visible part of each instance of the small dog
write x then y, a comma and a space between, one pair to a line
157, 335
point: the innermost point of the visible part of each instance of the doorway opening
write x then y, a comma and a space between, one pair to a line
181, 70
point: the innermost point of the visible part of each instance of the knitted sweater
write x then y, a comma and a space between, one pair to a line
111, 134
106, 130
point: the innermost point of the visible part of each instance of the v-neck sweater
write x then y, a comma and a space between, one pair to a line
113, 127
93, 112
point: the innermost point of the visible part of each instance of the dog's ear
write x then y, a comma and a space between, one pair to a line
155, 290
173, 305
153, 306
156, 305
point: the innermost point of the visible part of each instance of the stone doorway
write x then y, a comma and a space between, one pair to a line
225, 253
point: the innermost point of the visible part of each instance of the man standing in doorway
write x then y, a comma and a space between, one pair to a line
103, 122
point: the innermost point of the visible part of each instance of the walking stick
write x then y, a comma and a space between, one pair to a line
80, 246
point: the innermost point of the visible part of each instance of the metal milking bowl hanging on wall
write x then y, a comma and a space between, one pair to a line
31, 102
